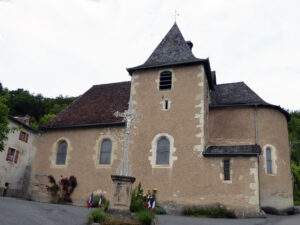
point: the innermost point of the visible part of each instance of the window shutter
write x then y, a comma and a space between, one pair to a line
23, 136
16, 157
10, 154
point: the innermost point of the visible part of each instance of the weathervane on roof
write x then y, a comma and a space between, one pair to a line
176, 14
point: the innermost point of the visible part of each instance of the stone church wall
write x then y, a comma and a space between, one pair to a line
276, 189
82, 161
190, 179
266, 127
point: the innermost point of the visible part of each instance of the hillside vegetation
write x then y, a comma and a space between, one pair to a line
294, 136
41, 109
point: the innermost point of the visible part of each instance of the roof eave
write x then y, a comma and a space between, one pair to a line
231, 155
22, 124
276, 107
94, 125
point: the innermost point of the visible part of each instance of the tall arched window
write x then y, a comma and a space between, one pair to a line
269, 160
61, 154
105, 152
163, 151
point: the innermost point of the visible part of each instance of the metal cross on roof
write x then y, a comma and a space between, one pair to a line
175, 15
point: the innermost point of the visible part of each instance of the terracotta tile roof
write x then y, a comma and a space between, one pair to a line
95, 107
232, 151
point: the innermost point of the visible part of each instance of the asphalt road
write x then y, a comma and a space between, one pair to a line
20, 212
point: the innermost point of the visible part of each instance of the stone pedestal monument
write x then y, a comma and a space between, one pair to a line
123, 180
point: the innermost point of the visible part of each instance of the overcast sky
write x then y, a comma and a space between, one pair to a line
64, 47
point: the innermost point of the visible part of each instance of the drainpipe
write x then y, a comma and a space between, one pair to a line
256, 143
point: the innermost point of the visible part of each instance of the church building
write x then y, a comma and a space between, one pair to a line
195, 141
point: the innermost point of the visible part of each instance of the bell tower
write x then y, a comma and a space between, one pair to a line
170, 94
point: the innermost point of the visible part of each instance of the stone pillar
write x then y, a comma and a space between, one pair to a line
122, 191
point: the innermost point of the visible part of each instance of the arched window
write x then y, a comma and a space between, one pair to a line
165, 80
269, 160
61, 154
163, 151
105, 152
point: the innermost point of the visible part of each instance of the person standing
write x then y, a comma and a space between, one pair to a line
6, 185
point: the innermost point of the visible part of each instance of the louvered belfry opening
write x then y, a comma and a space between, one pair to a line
165, 80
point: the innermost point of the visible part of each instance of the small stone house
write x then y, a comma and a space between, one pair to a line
16, 157
196, 141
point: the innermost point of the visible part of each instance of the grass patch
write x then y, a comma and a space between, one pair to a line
297, 202
97, 216
145, 217
120, 222
209, 211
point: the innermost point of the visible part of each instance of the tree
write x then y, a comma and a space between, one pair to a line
46, 119
3, 122
294, 137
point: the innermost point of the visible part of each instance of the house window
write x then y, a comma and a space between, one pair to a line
226, 168
12, 155
163, 151
61, 154
23, 136
105, 152
165, 80
269, 160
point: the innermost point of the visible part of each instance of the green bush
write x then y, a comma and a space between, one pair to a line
145, 217
211, 212
105, 204
97, 216
95, 201
137, 199
160, 210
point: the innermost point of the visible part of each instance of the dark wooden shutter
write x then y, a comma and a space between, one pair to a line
16, 157
10, 154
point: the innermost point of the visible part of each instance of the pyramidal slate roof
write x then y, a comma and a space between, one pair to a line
233, 94
173, 50
239, 94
